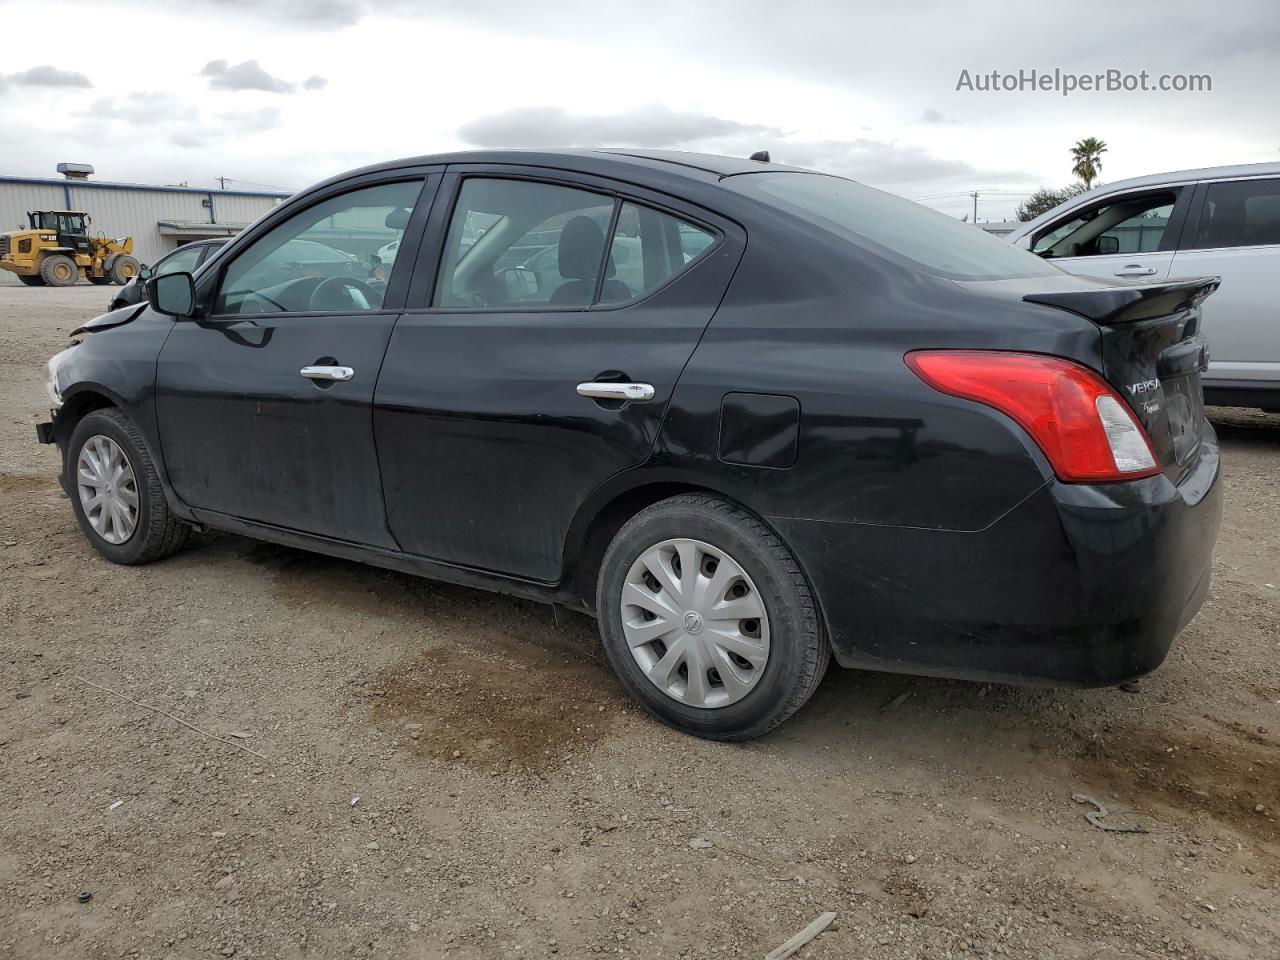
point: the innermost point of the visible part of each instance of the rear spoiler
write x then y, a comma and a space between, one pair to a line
1127, 303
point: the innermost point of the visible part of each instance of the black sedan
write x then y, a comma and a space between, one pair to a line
805, 420
186, 259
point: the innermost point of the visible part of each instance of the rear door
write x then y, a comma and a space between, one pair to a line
264, 404
1235, 234
489, 430
1131, 236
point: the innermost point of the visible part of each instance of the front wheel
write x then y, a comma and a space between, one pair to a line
708, 620
115, 491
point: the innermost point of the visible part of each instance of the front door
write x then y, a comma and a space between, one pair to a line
1130, 237
542, 363
264, 404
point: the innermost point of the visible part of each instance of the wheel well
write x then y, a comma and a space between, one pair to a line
584, 564
76, 408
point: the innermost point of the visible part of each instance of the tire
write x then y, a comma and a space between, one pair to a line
156, 533
59, 270
35, 280
121, 269
795, 654
97, 280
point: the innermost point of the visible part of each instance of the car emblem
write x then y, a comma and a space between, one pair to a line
692, 622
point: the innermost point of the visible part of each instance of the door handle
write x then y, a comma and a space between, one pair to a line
1133, 270
617, 391
327, 373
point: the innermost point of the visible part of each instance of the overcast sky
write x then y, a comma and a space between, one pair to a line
286, 92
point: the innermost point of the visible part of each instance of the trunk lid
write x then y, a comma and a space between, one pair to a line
1153, 353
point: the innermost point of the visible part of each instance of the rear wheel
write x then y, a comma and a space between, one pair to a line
35, 280
121, 268
116, 493
708, 620
59, 270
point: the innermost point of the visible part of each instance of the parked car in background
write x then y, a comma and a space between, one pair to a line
809, 420
186, 259
1220, 221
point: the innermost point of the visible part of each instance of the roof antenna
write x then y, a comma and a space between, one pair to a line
760, 155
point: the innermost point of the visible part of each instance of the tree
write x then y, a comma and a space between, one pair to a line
1046, 198
1087, 154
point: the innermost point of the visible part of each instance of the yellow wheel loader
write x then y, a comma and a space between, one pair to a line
57, 249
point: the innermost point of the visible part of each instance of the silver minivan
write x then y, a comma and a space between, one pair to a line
1220, 221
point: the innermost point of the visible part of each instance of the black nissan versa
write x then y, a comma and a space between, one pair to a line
754, 418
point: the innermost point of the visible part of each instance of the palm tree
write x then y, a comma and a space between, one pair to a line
1087, 154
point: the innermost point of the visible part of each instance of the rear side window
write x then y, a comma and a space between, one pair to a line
893, 227
520, 243
1241, 213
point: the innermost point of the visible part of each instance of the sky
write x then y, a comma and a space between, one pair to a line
282, 93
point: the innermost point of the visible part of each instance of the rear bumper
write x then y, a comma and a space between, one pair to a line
1076, 586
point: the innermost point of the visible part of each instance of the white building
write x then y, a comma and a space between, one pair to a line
158, 218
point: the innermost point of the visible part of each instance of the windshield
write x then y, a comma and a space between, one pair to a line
893, 227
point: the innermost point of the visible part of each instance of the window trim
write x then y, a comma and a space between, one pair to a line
1168, 240
1201, 200
429, 183
456, 175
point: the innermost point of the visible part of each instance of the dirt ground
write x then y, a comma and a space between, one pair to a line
439, 772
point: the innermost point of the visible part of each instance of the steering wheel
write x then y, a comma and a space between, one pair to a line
356, 294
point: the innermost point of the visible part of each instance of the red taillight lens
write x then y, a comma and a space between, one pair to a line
1083, 426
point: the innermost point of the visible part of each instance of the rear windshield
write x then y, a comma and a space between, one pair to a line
893, 227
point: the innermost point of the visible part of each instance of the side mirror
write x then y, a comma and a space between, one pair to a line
1107, 244
173, 294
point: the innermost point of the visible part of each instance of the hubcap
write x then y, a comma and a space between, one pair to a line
695, 623
108, 489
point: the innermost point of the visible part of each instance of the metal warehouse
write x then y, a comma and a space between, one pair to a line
159, 218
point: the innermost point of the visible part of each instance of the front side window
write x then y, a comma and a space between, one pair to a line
519, 243
183, 260
1128, 225
1242, 213
333, 257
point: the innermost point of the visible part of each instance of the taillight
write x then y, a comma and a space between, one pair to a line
1083, 426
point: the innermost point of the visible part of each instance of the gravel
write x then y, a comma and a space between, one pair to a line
455, 774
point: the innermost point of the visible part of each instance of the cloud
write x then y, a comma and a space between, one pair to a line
251, 121
877, 162
243, 76
887, 163
315, 82
653, 126
323, 14
935, 116
46, 76
141, 109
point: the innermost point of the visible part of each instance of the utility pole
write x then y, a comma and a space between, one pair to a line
222, 182
975, 206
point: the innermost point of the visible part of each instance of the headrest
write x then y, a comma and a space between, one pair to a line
581, 244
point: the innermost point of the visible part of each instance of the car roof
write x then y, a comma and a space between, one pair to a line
1270, 168
702, 166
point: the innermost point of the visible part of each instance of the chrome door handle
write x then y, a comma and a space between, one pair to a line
616, 391
1136, 271
327, 373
